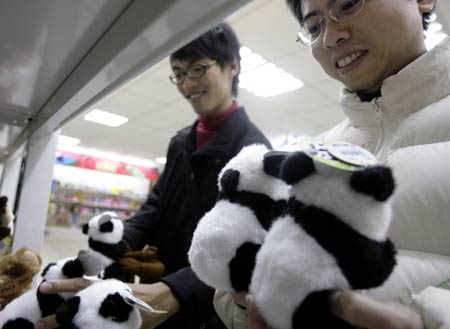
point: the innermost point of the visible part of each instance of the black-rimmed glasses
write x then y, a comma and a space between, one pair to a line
314, 25
195, 71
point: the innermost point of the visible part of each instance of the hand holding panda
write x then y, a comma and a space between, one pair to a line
332, 235
25, 310
228, 237
102, 305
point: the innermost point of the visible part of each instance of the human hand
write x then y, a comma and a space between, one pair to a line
362, 311
255, 320
59, 286
159, 296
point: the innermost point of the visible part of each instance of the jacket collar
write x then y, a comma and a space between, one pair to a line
222, 144
419, 84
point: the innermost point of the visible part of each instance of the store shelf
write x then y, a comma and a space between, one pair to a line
94, 205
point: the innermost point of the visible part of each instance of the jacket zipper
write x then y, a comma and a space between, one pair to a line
385, 129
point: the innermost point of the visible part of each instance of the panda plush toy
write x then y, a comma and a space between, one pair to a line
228, 237
106, 246
25, 310
333, 235
103, 305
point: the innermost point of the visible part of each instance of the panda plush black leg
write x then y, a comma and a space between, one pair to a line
314, 313
67, 311
18, 324
241, 266
112, 271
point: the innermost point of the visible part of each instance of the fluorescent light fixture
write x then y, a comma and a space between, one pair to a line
161, 160
105, 118
262, 78
108, 155
434, 34
68, 140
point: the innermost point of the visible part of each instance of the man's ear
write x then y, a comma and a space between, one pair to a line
234, 66
426, 6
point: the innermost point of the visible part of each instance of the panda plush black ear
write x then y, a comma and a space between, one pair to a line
73, 269
295, 167
272, 162
229, 181
377, 182
116, 308
65, 314
85, 228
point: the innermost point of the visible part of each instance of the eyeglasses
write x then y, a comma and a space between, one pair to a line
314, 25
195, 71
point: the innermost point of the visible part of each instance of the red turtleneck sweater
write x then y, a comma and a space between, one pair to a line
207, 126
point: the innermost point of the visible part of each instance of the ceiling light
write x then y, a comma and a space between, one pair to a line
105, 118
68, 140
161, 160
262, 78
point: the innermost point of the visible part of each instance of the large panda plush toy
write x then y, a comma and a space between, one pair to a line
227, 238
100, 306
25, 310
106, 246
332, 233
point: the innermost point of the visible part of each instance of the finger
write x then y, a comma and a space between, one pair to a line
48, 322
69, 285
254, 318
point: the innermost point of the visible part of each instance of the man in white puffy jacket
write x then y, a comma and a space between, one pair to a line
397, 103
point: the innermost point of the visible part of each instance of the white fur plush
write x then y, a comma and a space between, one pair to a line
99, 306
233, 230
105, 232
333, 235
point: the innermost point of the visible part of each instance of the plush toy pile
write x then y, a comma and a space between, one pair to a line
331, 234
103, 305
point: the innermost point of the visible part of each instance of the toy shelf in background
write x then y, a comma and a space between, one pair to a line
78, 194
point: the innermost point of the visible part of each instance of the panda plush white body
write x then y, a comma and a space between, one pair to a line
25, 310
99, 306
105, 233
227, 238
333, 235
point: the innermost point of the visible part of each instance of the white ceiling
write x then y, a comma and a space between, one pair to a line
156, 110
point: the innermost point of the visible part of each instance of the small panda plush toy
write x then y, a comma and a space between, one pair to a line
102, 305
333, 235
25, 310
106, 246
228, 237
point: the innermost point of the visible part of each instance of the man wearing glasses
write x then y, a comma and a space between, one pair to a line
205, 72
397, 103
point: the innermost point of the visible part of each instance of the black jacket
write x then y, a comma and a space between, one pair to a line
184, 192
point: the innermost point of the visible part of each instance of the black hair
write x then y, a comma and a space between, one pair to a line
220, 44
295, 6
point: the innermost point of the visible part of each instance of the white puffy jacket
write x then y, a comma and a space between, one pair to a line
408, 127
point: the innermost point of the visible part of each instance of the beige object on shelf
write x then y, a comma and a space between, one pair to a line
16, 274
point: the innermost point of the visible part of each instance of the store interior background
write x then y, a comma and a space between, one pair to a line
155, 111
